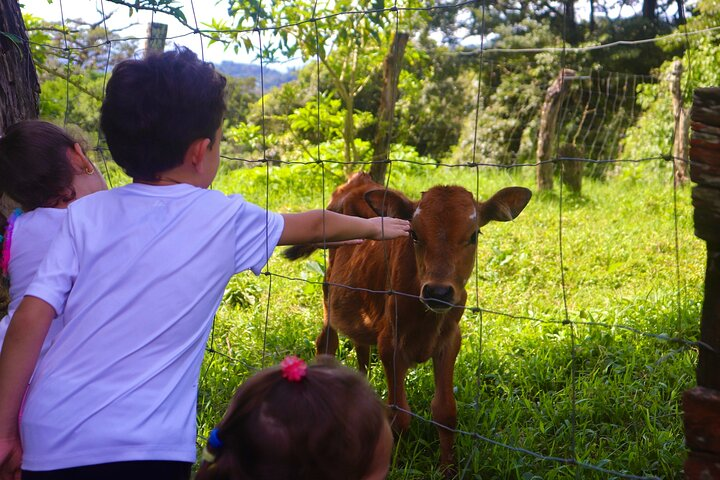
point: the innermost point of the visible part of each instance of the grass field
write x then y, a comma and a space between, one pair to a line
523, 378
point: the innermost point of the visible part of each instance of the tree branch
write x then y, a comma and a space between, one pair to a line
51, 29
341, 90
172, 11
57, 73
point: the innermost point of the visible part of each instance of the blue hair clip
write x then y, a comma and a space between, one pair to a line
213, 440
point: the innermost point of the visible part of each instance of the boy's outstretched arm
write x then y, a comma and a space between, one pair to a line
307, 227
20, 351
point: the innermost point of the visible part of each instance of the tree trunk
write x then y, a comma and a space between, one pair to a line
19, 86
388, 97
548, 118
649, 10
571, 33
681, 11
19, 91
349, 135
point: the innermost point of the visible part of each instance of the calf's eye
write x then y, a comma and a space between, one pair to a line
473, 238
414, 236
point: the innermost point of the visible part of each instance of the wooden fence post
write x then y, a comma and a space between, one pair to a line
701, 405
572, 168
156, 35
556, 92
680, 139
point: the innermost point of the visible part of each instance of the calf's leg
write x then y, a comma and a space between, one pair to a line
395, 370
327, 342
444, 410
363, 356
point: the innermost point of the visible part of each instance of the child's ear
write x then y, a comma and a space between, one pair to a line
197, 151
78, 159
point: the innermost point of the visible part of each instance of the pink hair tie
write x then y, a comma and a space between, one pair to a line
293, 368
5, 259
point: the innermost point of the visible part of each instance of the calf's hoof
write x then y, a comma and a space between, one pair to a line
399, 420
449, 471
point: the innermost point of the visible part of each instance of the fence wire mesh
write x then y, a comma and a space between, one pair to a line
596, 113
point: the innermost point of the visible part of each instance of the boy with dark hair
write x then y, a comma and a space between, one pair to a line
138, 273
157, 107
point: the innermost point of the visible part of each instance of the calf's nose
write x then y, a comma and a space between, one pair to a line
438, 296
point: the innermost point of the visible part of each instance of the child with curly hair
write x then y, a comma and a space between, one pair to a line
300, 422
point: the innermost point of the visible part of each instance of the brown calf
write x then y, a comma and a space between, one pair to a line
426, 272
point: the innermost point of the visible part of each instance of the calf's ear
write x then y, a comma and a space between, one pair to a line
387, 203
504, 206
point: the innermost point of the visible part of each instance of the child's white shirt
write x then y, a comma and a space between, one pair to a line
32, 235
138, 272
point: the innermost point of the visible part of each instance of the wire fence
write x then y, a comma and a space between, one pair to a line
599, 109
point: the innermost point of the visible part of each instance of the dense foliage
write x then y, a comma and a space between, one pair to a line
455, 103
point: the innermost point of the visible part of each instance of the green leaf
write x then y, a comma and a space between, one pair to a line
13, 38
16, 41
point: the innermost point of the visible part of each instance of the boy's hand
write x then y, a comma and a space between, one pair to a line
10, 458
387, 228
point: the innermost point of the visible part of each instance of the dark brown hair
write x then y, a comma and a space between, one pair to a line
156, 107
34, 167
326, 426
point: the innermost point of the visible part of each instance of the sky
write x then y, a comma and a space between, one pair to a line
205, 10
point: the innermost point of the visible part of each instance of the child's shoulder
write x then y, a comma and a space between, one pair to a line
139, 194
40, 219
42, 214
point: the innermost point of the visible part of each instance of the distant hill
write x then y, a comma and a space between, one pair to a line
271, 78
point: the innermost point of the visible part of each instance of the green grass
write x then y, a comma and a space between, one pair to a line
520, 367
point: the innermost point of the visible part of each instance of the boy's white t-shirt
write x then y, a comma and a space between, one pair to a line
32, 235
138, 272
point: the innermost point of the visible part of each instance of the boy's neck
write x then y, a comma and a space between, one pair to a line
185, 173
159, 182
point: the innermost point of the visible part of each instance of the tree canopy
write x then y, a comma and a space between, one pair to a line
455, 102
